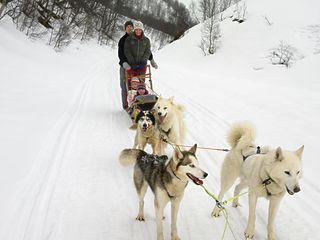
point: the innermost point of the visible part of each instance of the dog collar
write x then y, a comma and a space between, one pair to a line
174, 172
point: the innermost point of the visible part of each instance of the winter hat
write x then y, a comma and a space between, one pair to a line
127, 23
138, 25
135, 81
141, 86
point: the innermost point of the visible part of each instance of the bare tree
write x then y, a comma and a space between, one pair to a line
267, 20
194, 12
210, 33
208, 8
240, 12
224, 4
2, 8
282, 55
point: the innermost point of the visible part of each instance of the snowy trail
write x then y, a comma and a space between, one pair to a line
44, 182
215, 135
78, 190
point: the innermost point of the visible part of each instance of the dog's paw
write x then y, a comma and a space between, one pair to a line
160, 237
215, 212
249, 233
271, 236
176, 237
236, 204
140, 218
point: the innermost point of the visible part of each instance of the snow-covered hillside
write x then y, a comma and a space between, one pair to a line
62, 128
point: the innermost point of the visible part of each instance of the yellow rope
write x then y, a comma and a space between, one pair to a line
225, 213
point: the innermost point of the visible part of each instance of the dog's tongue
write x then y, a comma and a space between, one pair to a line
161, 118
194, 179
289, 191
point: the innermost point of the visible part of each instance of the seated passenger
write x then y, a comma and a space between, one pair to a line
141, 90
133, 90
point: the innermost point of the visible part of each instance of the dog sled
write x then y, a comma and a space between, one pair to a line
139, 103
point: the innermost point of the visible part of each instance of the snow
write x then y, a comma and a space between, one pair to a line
62, 128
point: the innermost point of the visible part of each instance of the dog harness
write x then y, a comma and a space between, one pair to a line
267, 182
258, 152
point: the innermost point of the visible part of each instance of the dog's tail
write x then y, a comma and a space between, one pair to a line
180, 107
182, 127
241, 134
129, 156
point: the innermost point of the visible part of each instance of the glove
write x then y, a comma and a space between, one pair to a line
126, 66
154, 64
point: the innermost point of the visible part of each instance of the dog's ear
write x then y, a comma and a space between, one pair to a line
177, 154
299, 152
278, 155
140, 114
171, 99
153, 119
193, 149
136, 120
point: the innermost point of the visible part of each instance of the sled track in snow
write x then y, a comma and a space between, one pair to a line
37, 194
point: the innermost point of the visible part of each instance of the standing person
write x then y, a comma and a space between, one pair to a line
124, 62
137, 51
128, 26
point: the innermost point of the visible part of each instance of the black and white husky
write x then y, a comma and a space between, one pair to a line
167, 179
147, 132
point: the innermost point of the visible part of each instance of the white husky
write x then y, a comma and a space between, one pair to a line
269, 174
170, 120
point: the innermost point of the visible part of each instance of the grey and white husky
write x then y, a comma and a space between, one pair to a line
167, 179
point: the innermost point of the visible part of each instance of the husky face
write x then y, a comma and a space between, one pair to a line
145, 120
188, 165
162, 108
287, 169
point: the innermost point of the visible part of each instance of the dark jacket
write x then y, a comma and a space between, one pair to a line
137, 51
121, 55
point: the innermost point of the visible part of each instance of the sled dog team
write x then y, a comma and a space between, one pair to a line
266, 172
